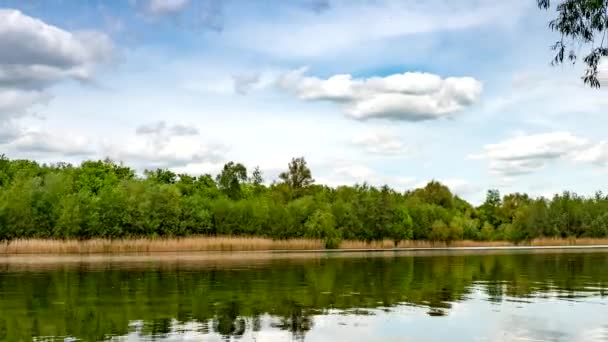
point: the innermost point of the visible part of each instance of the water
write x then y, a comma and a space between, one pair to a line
475, 296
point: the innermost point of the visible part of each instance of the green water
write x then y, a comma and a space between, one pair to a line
552, 296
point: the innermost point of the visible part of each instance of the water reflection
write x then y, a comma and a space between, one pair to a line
483, 296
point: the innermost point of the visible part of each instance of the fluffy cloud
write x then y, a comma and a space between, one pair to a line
384, 143
35, 55
528, 153
410, 96
159, 145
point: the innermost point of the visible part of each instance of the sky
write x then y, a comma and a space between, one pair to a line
384, 92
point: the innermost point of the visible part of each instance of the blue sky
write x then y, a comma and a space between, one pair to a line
389, 92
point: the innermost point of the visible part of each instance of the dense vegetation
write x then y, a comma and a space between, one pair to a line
108, 200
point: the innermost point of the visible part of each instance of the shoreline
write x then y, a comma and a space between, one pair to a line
228, 244
240, 260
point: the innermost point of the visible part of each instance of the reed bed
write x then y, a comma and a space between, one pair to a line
387, 244
244, 244
188, 244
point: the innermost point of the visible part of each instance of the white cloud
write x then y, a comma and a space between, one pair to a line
529, 153
166, 7
462, 187
243, 83
35, 55
15, 102
548, 98
158, 145
596, 154
348, 172
161, 129
9, 131
193, 14
384, 143
410, 96
45, 142
348, 24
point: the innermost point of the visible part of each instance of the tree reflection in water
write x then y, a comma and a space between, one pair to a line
95, 304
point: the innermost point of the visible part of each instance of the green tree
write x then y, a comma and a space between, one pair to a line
161, 176
322, 225
440, 231
436, 193
230, 179
298, 176
402, 226
487, 231
490, 210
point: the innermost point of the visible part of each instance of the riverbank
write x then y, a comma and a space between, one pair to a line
248, 244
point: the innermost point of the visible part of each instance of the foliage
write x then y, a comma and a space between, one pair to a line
298, 176
230, 179
580, 22
108, 200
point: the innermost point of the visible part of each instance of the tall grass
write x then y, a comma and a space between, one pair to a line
234, 244
189, 244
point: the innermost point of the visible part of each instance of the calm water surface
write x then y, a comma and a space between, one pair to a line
496, 296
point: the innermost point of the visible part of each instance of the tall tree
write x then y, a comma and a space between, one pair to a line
230, 179
257, 180
162, 176
299, 175
580, 23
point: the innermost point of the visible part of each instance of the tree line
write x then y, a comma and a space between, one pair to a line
105, 199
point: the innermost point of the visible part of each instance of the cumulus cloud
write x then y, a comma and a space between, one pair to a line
410, 96
158, 145
35, 55
384, 143
529, 153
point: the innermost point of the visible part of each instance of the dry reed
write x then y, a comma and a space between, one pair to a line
189, 244
234, 244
